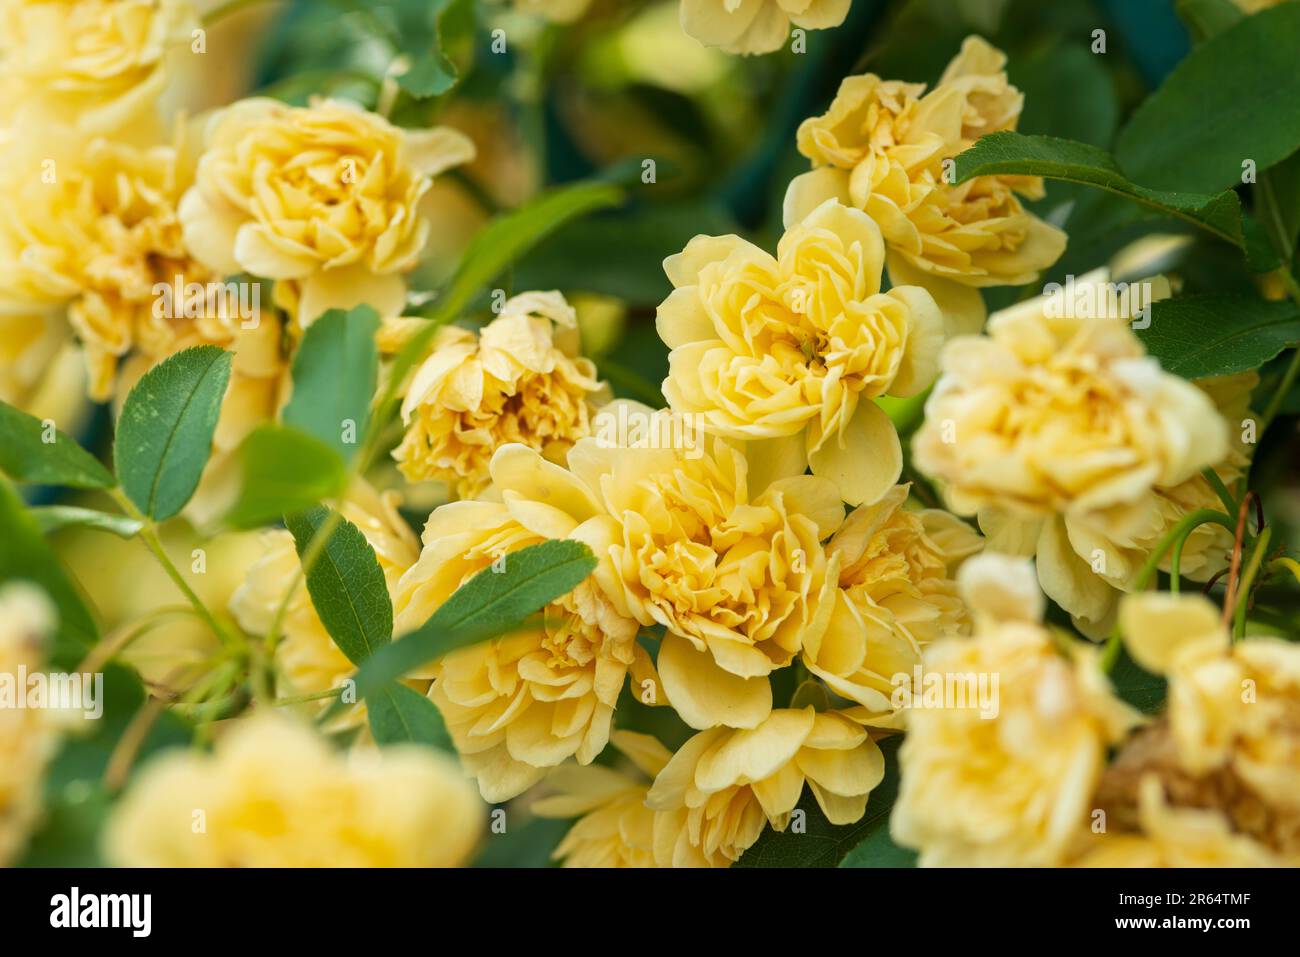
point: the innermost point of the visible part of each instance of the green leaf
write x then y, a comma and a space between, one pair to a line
490, 603
865, 843
1218, 335
1140, 688
26, 456
346, 584
493, 249
1207, 18
334, 375
1230, 100
400, 714
50, 518
25, 556
164, 435
285, 471
1278, 206
1071, 162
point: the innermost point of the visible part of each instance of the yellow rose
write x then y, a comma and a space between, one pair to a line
273, 794
324, 197
529, 700
93, 227
882, 147
41, 369
1012, 787
723, 786
1174, 836
306, 659
97, 64
520, 379
1072, 445
896, 595
1232, 705
701, 540
27, 735
614, 826
796, 346
757, 26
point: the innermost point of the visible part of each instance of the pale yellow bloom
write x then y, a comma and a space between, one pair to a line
41, 369
614, 826
704, 542
1174, 836
527, 701
796, 346
520, 379
897, 594
93, 227
1072, 445
323, 196
27, 735
306, 659
1013, 788
273, 794
1232, 705
882, 146
757, 26
100, 65
723, 786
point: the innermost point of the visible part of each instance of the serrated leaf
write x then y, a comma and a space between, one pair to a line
334, 375
25, 556
25, 456
164, 435
346, 584
50, 518
399, 714
490, 603
1065, 160
284, 471
1213, 335
1223, 104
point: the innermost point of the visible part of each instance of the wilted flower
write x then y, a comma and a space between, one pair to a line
520, 379
614, 826
97, 64
757, 26
882, 147
798, 345
1072, 445
1012, 788
307, 660
522, 703
723, 786
27, 735
323, 196
897, 594
273, 794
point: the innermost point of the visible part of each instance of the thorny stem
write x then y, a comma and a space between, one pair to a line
1248, 579
1238, 543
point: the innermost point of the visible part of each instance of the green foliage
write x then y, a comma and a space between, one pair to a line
495, 601
284, 471
51, 518
1219, 108
1015, 154
334, 374
1209, 336
32, 451
346, 583
400, 715
164, 435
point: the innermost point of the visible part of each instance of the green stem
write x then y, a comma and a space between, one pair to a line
226, 9
1174, 538
305, 698
1248, 580
1216, 483
1279, 394
149, 535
